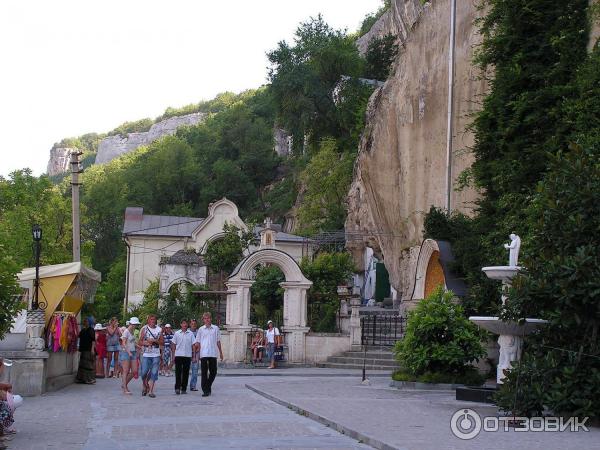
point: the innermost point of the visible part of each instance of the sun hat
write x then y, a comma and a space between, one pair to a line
168, 325
134, 321
99, 327
269, 321
127, 323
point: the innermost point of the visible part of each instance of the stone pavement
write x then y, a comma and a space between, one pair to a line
100, 417
239, 416
389, 418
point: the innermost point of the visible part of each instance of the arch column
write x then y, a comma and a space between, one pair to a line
295, 318
238, 319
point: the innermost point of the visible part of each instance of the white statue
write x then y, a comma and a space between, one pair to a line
510, 351
513, 247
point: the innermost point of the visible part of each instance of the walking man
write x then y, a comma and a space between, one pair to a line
151, 339
195, 357
182, 342
208, 341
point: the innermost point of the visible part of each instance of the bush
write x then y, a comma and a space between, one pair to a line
439, 339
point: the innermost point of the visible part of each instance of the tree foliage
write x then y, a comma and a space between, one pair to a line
9, 302
223, 254
326, 179
439, 338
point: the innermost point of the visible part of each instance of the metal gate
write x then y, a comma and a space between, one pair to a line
381, 330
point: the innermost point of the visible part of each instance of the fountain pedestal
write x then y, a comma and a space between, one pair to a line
510, 333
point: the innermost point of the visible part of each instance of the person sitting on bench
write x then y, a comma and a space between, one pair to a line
258, 347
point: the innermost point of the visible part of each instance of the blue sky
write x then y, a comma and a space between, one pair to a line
72, 67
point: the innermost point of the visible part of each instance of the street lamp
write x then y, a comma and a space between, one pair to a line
36, 232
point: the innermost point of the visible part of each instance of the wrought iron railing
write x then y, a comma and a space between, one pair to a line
381, 330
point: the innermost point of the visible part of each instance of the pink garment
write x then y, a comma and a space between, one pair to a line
57, 331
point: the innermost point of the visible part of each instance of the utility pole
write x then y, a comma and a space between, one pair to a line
451, 45
75, 171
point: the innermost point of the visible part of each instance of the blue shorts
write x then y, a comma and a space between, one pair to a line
150, 366
124, 356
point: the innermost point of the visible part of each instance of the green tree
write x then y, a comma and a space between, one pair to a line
222, 255
381, 54
266, 293
326, 179
326, 271
561, 366
9, 300
304, 75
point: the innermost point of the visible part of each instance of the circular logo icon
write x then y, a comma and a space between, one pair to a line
465, 424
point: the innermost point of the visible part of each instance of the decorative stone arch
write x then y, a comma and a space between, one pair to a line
180, 280
433, 270
429, 269
294, 303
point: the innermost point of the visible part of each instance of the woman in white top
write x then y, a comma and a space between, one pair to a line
128, 354
272, 337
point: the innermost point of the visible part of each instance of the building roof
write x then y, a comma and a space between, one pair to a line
280, 236
185, 258
139, 224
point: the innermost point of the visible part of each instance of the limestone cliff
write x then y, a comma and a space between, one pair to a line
59, 160
114, 146
401, 167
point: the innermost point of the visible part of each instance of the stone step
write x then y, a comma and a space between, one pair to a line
355, 366
368, 361
370, 354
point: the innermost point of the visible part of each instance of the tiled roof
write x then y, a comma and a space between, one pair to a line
185, 258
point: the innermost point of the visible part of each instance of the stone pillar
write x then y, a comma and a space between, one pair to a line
238, 302
295, 303
238, 320
295, 339
35, 329
355, 328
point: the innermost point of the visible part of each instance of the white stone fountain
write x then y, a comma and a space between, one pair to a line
510, 333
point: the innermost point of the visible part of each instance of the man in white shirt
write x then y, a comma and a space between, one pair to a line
208, 341
151, 339
182, 343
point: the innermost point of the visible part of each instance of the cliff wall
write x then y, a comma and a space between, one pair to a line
59, 160
114, 146
400, 171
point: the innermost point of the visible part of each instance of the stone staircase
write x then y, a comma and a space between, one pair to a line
376, 359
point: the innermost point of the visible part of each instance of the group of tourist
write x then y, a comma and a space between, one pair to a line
150, 351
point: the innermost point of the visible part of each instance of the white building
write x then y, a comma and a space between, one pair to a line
170, 248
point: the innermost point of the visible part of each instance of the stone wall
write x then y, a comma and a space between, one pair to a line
114, 146
320, 346
401, 168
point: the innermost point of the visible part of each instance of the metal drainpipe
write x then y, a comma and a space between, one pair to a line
126, 299
450, 104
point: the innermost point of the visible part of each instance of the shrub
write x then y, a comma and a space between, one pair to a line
439, 339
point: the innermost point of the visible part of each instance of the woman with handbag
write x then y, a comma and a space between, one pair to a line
273, 338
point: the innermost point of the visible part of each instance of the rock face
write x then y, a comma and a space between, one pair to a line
114, 146
59, 160
282, 141
401, 167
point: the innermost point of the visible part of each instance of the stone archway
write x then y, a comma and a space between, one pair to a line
294, 303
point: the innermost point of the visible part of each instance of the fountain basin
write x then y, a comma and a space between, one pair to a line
504, 273
497, 326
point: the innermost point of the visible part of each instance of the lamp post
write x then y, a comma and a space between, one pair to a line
36, 231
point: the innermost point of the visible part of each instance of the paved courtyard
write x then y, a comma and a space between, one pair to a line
259, 410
